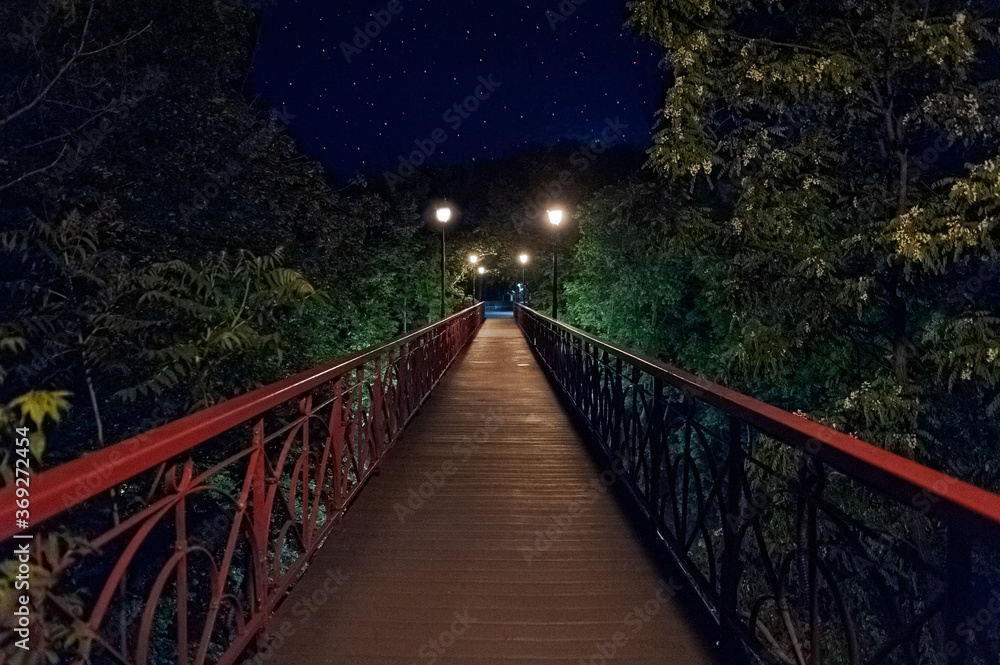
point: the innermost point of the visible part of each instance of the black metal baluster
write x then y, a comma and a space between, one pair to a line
958, 595
732, 568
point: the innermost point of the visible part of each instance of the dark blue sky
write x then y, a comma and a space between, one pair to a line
555, 84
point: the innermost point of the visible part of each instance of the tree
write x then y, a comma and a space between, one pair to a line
831, 138
58, 93
629, 282
211, 326
71, 297
34, 407
171, 169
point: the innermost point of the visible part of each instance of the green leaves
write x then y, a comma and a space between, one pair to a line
947, 42
847, 156
52, 640
950, 227
963, 348
38, 406
215, 318
624, 283
289, 283
99, 325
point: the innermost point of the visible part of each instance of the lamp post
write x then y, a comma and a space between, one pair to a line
473, 259
524, 287
482, 271
443, 215
555, 217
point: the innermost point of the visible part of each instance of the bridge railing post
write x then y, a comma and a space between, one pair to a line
657, 455
958, 596
733, 529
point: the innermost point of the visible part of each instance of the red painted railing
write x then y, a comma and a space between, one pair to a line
807, 545
176, 545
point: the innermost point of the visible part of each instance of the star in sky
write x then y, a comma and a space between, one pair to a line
368, 85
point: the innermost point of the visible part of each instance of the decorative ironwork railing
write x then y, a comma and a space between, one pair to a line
807, 545
176, 545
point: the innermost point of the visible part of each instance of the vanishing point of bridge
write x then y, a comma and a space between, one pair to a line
513, 491
488, 538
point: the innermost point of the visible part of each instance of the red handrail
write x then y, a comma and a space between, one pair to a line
289, 458
847, 553
889, 473
69, 484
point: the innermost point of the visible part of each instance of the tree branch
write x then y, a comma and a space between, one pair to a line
55, 79
35, 172
77, 54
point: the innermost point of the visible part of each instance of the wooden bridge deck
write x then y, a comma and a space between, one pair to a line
485, 540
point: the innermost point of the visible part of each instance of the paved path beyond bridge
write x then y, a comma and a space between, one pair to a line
485, 540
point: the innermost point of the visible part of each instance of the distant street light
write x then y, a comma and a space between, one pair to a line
481, 271
524, 286
443, 215
555, 217
473, 259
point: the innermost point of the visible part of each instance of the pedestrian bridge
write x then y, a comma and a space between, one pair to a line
506, 490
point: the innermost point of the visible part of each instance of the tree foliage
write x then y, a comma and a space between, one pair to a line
144, 197
823, 225
165, 245
212, 321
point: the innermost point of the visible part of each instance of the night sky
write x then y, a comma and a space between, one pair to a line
555, 84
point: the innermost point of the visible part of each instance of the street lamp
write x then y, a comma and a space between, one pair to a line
473, 259
443, 215
524, 287
555, 217
481, 271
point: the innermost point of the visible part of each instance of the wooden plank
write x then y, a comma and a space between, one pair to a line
485, 540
